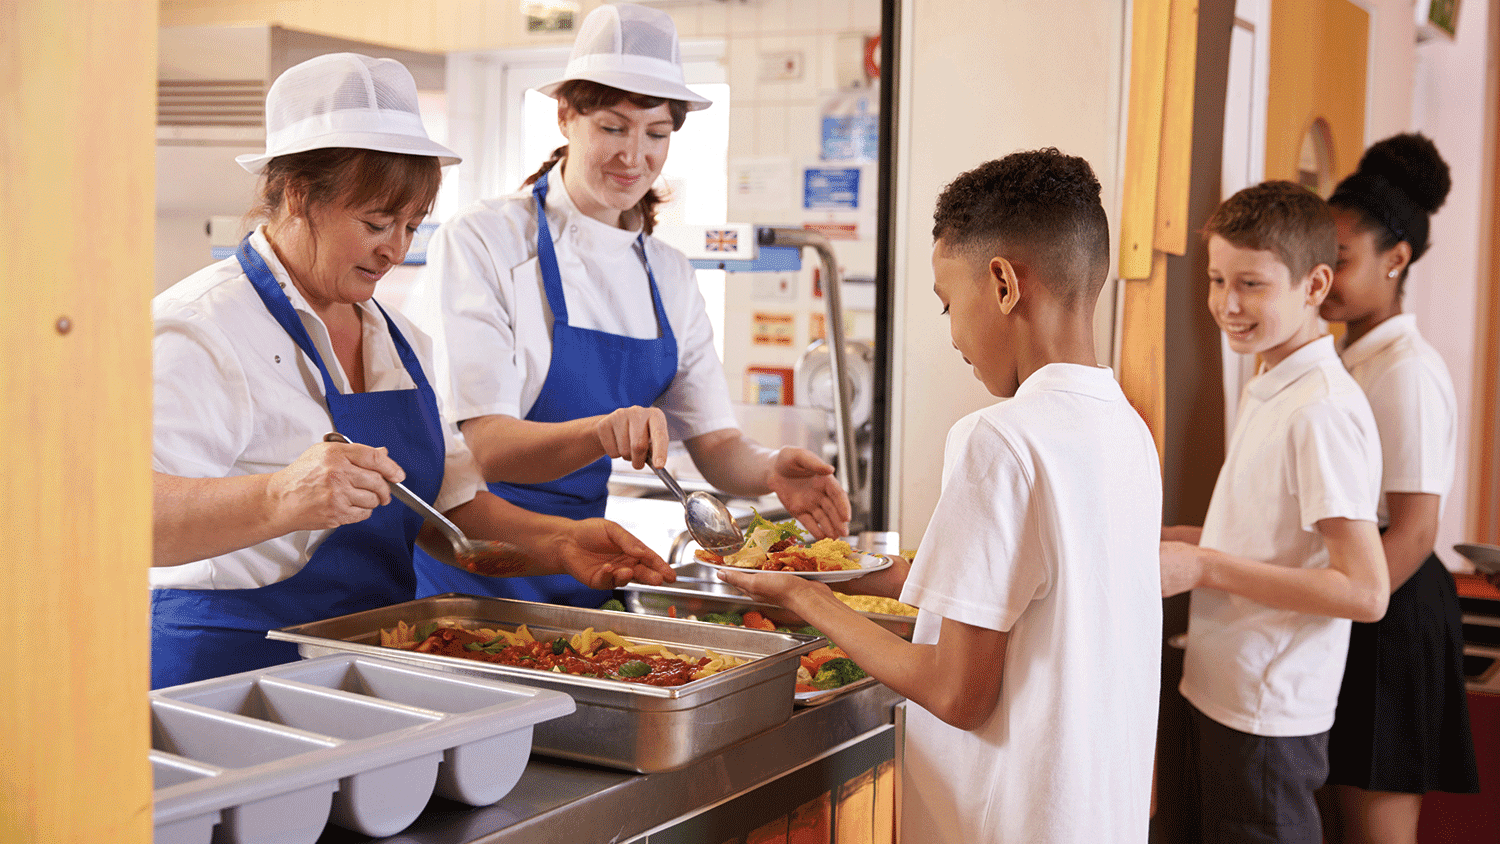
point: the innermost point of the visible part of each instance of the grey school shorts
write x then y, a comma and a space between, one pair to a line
1250, 789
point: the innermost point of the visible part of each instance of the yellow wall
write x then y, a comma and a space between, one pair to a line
1317, 69
77, 91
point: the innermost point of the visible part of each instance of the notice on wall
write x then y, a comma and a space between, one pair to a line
835, 231
761, 184
817, 326
772, 329
768, 385
830, 189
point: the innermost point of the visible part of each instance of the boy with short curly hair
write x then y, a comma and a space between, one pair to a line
1289, 550
1034, 671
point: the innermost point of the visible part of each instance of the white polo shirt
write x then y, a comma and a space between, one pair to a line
1412, 398
234, 395
481, 299
1305, 448
1047, 527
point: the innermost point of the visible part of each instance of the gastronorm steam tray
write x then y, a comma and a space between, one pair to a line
629, 726
275, 754
698, 591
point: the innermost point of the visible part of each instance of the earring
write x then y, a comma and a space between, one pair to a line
1391, 274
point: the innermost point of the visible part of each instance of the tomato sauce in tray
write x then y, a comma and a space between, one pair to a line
588, 654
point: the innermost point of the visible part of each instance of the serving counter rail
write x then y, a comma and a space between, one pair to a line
824, 757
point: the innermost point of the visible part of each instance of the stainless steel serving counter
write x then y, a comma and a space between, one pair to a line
561, 801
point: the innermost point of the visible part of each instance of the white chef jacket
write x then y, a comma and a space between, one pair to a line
234, 395
1412, 398
1047, 527
481, 299
1304, 448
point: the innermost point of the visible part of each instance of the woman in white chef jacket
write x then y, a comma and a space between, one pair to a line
569, 336
260, 524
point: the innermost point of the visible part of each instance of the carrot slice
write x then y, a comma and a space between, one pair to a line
757, 621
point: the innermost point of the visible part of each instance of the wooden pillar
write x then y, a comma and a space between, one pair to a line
1153, 215
77, 92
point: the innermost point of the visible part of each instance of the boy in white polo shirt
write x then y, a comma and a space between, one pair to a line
1289, 550
1033, 676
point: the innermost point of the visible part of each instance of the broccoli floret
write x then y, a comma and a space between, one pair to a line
732, 619
613, 605
809, 631
837, 672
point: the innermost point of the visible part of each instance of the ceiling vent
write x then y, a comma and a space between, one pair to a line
210, 111
212, 80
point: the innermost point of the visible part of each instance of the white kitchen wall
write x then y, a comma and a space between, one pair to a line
1444, 287
980, 79
775, 123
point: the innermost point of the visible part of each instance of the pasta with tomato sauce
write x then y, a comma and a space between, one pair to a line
590, 653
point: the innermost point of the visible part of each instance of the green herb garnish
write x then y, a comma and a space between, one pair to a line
635, 668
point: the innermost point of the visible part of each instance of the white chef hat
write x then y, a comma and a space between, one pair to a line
344, 100
632, 48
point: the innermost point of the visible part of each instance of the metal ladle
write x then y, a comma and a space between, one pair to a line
488, 557
708, 520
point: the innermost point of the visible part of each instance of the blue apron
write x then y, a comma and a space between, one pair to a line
202, 633
591, 373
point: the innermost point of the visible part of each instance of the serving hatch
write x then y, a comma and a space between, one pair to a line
616, 724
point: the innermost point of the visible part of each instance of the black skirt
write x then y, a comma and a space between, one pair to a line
1402, 723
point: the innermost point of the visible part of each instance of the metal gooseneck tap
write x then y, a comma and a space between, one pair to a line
848, 463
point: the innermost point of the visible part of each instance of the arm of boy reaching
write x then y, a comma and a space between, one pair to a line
957, 679
1190, 534
1356, 583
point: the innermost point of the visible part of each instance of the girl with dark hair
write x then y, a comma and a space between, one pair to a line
568, 336
1402, 724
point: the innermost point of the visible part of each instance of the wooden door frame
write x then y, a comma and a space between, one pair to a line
78, 88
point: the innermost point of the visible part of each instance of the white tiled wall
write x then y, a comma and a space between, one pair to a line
782, 119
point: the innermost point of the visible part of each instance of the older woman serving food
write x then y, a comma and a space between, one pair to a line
259, 523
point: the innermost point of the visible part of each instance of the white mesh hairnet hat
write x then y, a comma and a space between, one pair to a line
344, 100
632, 48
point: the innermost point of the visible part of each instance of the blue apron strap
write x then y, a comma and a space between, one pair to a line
280, 306
403, 349
663, 328
546, 255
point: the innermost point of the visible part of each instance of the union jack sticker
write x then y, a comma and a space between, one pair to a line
721, 240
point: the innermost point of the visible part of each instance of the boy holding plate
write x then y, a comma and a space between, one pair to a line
1034, 671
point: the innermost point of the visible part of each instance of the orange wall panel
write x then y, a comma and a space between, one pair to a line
1318, 52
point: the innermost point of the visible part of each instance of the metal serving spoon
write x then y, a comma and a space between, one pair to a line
489, 557
708, 520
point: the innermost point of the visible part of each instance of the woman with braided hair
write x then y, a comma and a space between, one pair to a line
1402, 724
568, 336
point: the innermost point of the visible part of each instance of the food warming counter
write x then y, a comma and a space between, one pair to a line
821, 755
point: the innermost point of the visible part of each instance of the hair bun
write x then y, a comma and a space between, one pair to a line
1410, 162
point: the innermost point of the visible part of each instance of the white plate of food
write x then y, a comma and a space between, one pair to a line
1486, 558
865, 564
786, 547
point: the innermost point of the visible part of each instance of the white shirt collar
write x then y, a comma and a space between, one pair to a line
261, 245
1378, 338
1095, 381
603, 234
370, 318
1272, 381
